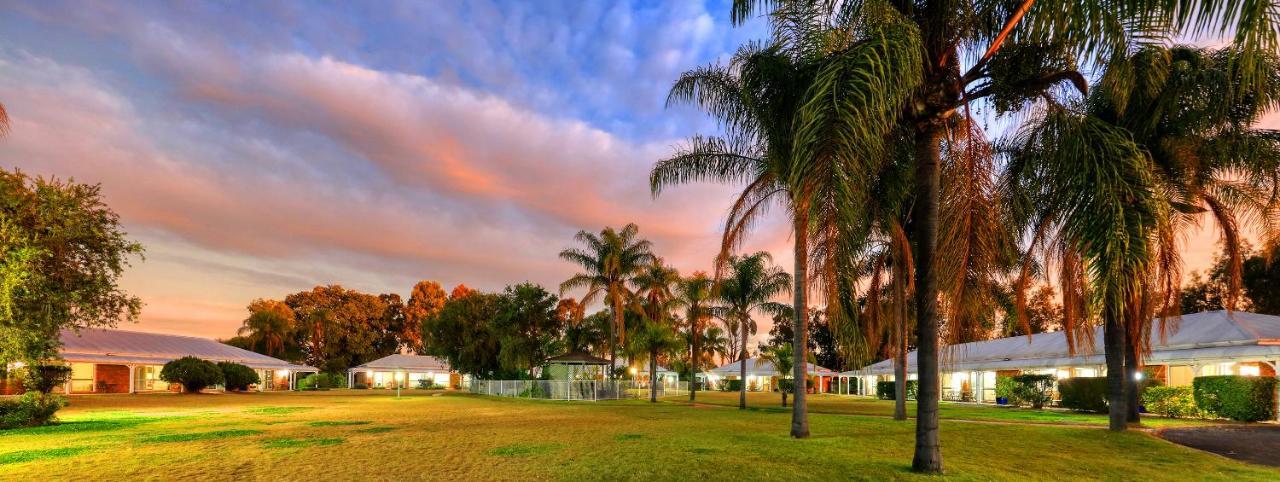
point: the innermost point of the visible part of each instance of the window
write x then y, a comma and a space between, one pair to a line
1250, 370
81, 377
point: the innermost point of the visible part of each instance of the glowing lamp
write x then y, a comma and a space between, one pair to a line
634, 371
1137, 376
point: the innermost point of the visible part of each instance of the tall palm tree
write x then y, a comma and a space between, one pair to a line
1005, 55
609, 261
1175, 124
655, 336
781, 357
695, 295
749, 287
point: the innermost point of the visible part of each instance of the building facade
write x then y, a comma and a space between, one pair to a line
404, 371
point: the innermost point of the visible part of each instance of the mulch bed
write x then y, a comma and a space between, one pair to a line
1259, 444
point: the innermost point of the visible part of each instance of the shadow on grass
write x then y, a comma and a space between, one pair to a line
294, 443
338, 423
31, 455
190, 437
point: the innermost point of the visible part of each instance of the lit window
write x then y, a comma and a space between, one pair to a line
1250, 370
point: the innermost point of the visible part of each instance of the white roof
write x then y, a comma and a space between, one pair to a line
1200, 336
760, 368
642, 367
405, 362
98, 345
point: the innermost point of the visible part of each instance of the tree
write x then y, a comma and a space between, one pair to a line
781, 358
527, 326
750, 287
1260, 279
461, 291
340, 328
609, 261
64, 252
588, 334
695, 295
425, 301
192, 373
462, 334
653, 338
1042, 311
269, 327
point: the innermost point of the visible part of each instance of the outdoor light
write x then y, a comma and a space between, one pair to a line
369, 374
1137, 376
634, 371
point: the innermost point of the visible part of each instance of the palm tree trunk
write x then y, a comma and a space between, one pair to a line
653, 380
928, 454
900, 357
800, 406
613, 336
742, 368
1132, 384
693, 363
1113, 339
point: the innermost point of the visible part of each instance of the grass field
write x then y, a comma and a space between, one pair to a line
345, 435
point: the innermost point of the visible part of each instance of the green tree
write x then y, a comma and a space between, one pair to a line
655, 337
63, 251
527, 327
462, 334
695, 295
340, 328
609, 261
781, 357
748, 288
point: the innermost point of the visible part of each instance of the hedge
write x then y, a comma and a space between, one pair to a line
1236, 397
888, 390
237, 377
32, 409
1173, 402
1084, 394
1032, 389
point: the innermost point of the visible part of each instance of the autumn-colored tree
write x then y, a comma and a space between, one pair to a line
340, 328
461, 291
427, 299
269, 327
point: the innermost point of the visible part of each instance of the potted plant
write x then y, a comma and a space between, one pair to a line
1004, 389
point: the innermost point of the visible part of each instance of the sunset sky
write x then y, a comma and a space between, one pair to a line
369, 144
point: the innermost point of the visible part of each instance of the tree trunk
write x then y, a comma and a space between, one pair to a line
693, 362
653, 376
618, 321
1113, 339
784, 396
742, 368
928, 454
900, 357
800, 405
1132, 384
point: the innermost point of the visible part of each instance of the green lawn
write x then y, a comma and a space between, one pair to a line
839, 404
345, 435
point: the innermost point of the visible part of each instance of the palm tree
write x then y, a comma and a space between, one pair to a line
270, 325
1015, 53
781, 357
695, 295
654, 337
750, 286
1177, 122
609, 261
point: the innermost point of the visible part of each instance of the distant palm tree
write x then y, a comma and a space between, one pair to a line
609, 261
750, 287
270, 325
781, 357
695, 295
655, 337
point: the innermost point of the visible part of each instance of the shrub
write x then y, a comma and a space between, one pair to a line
1032, 389
1173, 402
193, 373
886, 390
237, 377
1084, 394
1004, 387
32, 409
731, 385
1248, 399
324, 381
426, 384
360, 386
44, 378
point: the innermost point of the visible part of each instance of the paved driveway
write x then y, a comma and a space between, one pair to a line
1255, 443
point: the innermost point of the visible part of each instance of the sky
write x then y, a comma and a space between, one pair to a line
262, 148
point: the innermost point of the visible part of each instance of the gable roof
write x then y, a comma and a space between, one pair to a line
760, 368
100, 345
405, 362
1207, 334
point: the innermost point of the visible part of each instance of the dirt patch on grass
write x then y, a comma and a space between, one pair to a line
1257, 444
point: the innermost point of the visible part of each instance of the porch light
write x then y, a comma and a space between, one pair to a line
1137, 376
634, 371
283, 373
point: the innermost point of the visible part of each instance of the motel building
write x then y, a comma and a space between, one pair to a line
762, 376
404, 371
638, 370
1200, 344
119, 361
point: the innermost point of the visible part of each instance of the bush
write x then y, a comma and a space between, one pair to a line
45, 378
426, 384
360, 386
237, 377
193, 373
323, 381
1084, 394
1248, 399
1031, 389
1004, 387
32, 409
887, 390
1173, 402
731, 385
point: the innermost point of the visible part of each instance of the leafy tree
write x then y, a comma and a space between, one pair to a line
426, 301
270, 327
1260, 279
655, 338
192, 373
461, 291
589, 334
1042, 311
527, 326
609, 261
63, 251
750, 287
781, 358
462, 333
695, 295
340, 328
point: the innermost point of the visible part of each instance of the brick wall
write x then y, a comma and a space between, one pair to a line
116, 378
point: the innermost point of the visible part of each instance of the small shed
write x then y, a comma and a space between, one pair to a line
576, 366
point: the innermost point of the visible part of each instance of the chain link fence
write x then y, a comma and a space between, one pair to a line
575, 389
